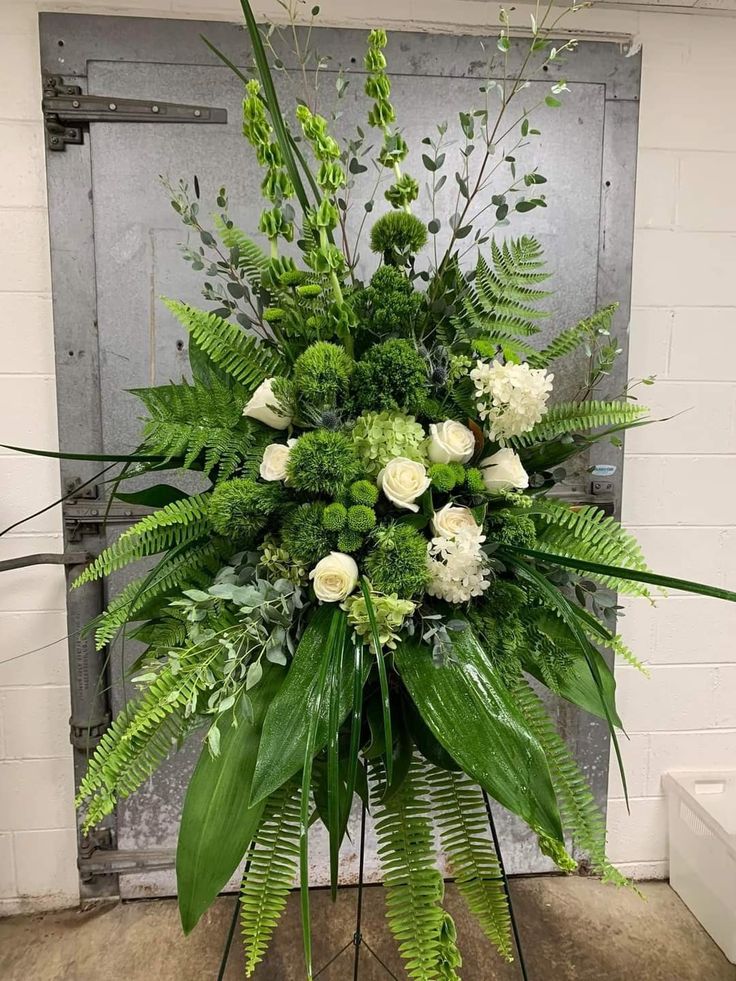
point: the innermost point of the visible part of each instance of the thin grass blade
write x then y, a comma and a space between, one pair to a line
382, 680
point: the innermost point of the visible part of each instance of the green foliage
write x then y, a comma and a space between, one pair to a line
398, 235
322, 375
589, 534
176, 524
240, 508
350, 541
397, 563
511, 529
580, 814
390, 304
391, 375
578, 417
242, 357
364, 492
137, 742
322, 462
334, 517
304, 536
414, 887
197, 426
361, 518
462, 820
249, 258
380, 436
569, 340
273, 861
443, 477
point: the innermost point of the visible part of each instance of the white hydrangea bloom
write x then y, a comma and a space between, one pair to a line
511, 398
457, 566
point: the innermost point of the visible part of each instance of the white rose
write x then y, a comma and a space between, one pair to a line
275, 458
452, 521
263, 407
403, 481
503, 471
450, 442
334, 577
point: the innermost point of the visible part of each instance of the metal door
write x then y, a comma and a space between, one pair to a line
115, 251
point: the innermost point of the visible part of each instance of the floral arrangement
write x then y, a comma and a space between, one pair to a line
377, 563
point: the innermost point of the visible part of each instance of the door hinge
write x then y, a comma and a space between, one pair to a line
89, 520
67, 112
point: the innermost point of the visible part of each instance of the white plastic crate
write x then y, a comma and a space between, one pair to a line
702, 825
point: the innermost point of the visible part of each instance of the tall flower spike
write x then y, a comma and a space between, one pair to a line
276, 185
382, 114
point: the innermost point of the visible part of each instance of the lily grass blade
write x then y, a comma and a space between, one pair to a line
355, 726
382, 680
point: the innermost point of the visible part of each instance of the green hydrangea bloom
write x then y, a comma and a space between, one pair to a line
364, 492
380, 436
390, 613
398, 561
241, 508
443, 477
303, 535
322, 462
322, 375
391, 375
361, 518
335, 516
349, 541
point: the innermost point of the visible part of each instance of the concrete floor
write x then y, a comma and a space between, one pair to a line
573, 929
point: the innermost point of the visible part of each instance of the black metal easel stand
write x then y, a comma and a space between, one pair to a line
358, 941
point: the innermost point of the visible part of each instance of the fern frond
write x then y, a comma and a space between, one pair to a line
413, 885
587, 533
194, 566
580, 814
579, 417
249, 258
571, 338
242, 357
189, 422
137, 742
273, 862
461, 817
176, 524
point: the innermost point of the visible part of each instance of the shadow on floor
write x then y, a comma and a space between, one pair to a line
572, 929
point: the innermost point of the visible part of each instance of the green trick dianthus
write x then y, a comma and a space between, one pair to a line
391, 375
322, 375
397, 235
349, 541
511, 529
304, 536
322, 462
397, 563
241, 508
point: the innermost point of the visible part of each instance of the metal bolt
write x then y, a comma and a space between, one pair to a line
54, 140
154, 108
112, 106
75, 103
197, 112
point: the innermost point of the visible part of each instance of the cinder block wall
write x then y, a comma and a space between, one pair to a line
679, 477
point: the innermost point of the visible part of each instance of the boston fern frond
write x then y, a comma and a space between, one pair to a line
273, 861
191, 422
567, 418
413, 885
177, 523
242, 357
571, 338
589, 534
250, 259
136, 744
581, 816
460, 814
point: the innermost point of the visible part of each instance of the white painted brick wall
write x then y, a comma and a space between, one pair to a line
679, 480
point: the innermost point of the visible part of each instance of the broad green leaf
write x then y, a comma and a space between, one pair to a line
474, 717
217, 823
285, 730
153, 497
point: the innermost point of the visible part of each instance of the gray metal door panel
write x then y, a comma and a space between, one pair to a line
587, 150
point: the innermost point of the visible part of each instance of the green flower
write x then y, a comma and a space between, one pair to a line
322, 462
380, 436
474, 482
390, 613
303, 535
364, 492
349, 541
511, 529
241, 508
322, 375
443, 477
389, 305
335, 517
398, 234
361, 518
391, 375
398, 561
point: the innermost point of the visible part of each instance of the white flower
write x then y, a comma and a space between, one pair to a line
403, 481
458, 568
450, 442
334, 577
263, 406
511, 398
275, 458
453, 520
503, 472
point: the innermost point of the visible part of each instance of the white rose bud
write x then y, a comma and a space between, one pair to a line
503, 471
275, 458
403, 481
450, 442
334, 577
263, 406
453, 521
